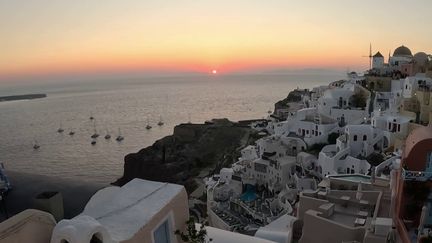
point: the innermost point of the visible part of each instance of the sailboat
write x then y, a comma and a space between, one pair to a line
91, 116
36, 145
95, 134
160, 123
119, 137
71, 132
148, 127
60, 130
107, 136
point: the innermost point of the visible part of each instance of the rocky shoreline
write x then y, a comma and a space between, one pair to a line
180, 157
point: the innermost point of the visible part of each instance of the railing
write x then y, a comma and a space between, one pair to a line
253, 213
409, 175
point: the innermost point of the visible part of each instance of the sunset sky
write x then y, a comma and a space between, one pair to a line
42, 37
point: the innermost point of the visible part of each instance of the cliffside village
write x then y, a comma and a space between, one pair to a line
346, 162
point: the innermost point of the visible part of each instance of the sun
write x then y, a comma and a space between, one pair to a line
214, 71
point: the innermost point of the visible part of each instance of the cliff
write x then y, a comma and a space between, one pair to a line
293, 97
180, 157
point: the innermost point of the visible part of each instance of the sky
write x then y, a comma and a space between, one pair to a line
69, 37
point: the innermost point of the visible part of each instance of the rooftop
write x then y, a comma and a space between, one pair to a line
123, 211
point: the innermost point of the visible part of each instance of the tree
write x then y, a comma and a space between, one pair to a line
193, 235
358, 100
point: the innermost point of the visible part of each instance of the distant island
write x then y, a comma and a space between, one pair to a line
22, 97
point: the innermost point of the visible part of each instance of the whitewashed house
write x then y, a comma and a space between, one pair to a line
140, 211
337, 103
351, 148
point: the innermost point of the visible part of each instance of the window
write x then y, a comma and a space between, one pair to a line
260, 168
364, 137
355, 138
162, 233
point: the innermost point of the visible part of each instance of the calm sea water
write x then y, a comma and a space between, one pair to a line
125, 105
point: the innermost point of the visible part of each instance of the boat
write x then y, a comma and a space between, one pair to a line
95, 134
71, 132
93, 142
91, 116
119, 137
107, 136
148, 127
160, 123
5, 185
36, 145
60, 130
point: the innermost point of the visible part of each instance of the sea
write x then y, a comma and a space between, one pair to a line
126, 106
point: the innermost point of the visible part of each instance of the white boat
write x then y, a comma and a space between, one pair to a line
60, 130
95, 134
36, 145
119, 137
5, 185
148, 127
107, 136
160, 123
93, 142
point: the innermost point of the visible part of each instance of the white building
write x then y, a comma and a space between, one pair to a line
347, 155
272, 171
337, 103
401, 55
377, 60
413, 83
308, 125
392, 124
140, 211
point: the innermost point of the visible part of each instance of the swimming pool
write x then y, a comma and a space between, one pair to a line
353, 178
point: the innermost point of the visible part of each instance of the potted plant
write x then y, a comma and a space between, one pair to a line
192, 234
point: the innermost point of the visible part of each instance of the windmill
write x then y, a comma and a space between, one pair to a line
370, 56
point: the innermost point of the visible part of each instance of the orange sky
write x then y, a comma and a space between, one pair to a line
42, 37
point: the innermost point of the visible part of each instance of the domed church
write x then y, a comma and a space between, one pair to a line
401, 55
402, 63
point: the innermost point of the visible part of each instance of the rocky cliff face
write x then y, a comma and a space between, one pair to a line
180, 157
293, 96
